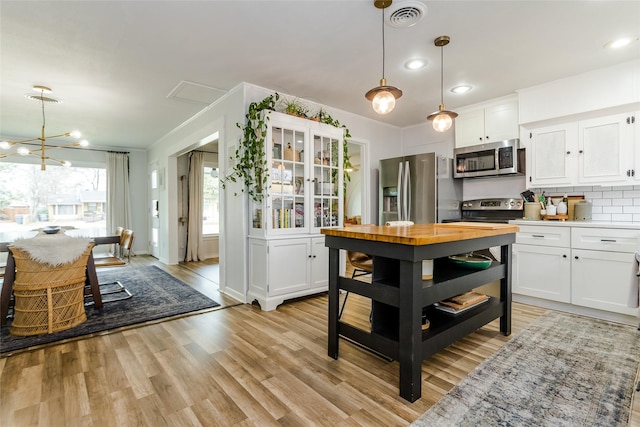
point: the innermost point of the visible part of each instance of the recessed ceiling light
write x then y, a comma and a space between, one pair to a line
461, 89
415, 64
618, 43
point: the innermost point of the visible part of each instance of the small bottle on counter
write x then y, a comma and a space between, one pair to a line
563, 206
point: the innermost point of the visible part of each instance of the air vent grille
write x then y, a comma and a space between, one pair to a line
404, 14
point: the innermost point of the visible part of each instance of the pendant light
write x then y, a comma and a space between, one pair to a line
442, 119
383, 98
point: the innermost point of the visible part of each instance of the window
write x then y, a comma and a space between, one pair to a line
210, 201
31, 198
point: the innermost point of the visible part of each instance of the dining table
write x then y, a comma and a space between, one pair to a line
98, 236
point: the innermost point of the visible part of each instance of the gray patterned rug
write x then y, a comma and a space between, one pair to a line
562, 370
156, 295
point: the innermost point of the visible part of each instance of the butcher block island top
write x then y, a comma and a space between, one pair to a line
422, 234
401, 298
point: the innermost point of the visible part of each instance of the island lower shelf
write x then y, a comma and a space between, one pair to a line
444, 329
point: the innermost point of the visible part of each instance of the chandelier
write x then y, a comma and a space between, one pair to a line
22, 148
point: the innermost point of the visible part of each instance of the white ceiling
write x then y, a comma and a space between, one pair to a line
114, 63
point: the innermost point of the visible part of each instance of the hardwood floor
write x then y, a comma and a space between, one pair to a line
236, 365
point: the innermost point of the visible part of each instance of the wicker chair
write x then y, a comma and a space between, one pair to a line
47, 299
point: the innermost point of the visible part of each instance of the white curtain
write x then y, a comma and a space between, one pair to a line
118, 202
194, 229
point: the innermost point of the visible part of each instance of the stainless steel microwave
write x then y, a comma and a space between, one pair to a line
496, 158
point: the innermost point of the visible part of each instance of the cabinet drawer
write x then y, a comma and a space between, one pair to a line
544, 236
605, 239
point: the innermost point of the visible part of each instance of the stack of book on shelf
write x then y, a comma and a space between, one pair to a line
462, 302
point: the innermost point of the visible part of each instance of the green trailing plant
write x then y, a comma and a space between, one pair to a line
250, 166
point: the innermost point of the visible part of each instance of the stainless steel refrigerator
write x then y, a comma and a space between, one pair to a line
419, 188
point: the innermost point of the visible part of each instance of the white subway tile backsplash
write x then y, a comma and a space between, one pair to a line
610, 203
593, 195
621, 202
600, 202
612, 194
612, 209
622, 217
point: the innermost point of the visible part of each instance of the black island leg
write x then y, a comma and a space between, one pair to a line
334, 296
505, 290
410, 330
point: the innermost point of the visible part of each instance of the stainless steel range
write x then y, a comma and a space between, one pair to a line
492, 210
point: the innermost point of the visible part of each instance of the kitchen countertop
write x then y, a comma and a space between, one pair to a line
586, 224
422, 234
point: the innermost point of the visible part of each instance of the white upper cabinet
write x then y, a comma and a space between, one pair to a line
492, 122
550, 156
597, 151
605, 149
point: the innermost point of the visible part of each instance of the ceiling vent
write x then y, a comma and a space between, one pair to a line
195, 92
404, 14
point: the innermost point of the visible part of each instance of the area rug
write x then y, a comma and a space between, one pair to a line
562, 370
156, 295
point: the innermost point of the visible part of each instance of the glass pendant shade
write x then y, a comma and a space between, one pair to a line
442, 123
442, 119
384, 102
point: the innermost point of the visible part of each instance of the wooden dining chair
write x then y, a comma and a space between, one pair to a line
119, 259
362, 265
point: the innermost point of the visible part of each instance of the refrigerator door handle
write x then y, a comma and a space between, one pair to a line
407, 192
399, 192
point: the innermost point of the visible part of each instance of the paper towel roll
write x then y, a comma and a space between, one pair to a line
398, 223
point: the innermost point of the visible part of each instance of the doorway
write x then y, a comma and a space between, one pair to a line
357, 194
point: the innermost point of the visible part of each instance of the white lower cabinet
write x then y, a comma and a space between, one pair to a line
281, 269
582, 266
542, 272
601, 280
601, 267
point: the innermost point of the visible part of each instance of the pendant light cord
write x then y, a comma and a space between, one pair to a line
442, 75
382, 10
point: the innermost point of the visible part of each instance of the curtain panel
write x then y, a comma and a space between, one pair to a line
195, 207
118, 201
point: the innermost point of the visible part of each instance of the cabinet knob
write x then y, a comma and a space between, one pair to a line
580, 151
576, 257
568, 152
309, 256
564, 256
487, 137
480, 139
314, 256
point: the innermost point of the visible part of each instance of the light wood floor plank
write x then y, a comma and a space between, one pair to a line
234, 366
